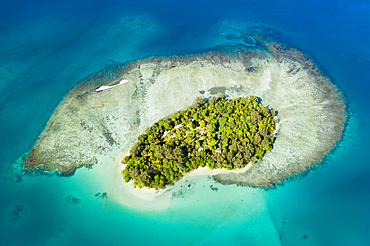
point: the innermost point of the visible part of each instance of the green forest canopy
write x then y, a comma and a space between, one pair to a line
219, 133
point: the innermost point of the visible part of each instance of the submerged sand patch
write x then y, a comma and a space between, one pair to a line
90, 123
150, 199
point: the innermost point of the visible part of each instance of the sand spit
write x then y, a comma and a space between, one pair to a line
150, 199
88, 123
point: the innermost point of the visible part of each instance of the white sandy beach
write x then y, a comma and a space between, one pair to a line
152, 199
89, 124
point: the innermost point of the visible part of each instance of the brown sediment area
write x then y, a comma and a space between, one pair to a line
88, 124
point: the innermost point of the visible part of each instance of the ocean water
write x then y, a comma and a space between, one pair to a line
47, 47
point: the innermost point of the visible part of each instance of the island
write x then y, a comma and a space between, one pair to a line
219, 133
91, 123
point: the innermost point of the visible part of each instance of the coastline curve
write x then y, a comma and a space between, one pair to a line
88, 123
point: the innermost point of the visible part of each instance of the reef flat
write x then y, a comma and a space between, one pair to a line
89, 123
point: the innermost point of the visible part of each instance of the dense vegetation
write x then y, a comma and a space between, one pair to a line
219, 133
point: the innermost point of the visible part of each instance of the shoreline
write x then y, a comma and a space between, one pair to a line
149, 198
310, 108
200, 171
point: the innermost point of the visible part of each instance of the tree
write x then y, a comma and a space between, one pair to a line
158, 151
135, 150
232, 133
257, 139
255, 116
263, 132
144, 178
213, 100
202, 123
265, 141
265, 112
191, 124
239, 163
177, 153
198, 103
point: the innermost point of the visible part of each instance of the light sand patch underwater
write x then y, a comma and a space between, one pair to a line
90, 123
144, 198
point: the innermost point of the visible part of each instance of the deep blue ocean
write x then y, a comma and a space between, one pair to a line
49, 46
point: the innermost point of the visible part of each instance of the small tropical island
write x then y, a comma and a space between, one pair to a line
101, 118
220, 133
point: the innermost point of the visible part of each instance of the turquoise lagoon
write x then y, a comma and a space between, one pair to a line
47, 47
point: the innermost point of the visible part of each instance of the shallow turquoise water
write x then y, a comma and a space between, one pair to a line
47, 47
